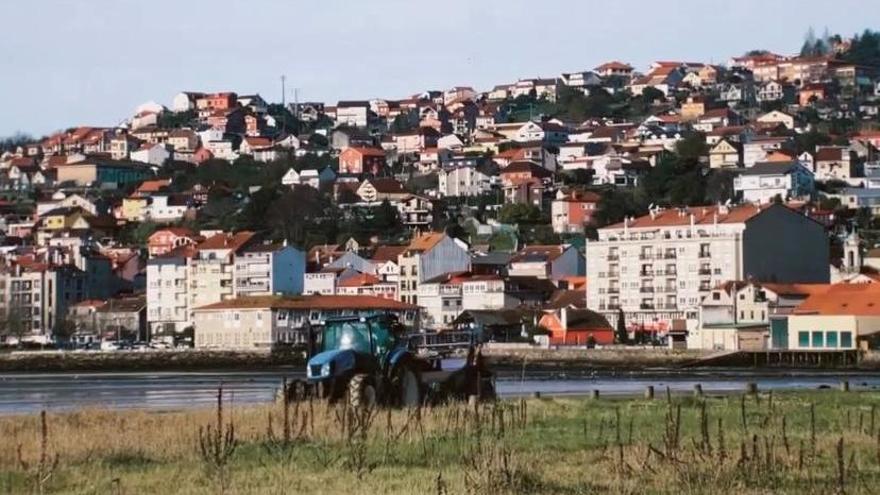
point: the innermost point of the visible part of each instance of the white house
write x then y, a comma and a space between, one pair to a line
764, 181
165, 208
777, 117
465, 180
154, 154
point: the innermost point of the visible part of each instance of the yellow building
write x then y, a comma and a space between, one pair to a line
133, 208
837, 319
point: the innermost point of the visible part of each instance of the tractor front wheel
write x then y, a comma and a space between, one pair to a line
361, 392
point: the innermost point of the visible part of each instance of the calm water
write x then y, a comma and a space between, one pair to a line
28, 393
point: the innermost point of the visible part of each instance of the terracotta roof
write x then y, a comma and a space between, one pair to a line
519, 167
309, 303
359, 280
258, 142
425, 242
843, 299
368, 151
227, 241
178, 231
386, 185
532, 253
156, 185
829, 154
388, 253
614, 65
703, 215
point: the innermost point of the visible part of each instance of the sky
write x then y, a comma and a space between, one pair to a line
65, 63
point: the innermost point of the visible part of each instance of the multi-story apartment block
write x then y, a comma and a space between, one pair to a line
656, 268
211, 271
34, 298
466, 180
168, 309
547, 261
265, 269
261, 322
219, 268
445, 297
428, 256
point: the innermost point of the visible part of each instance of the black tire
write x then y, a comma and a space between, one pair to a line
407, 387
361, 392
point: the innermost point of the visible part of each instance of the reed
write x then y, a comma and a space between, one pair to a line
693, 445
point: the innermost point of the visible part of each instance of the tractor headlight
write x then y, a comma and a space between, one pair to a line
325, 369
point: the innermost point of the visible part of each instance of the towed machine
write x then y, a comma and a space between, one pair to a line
372, 361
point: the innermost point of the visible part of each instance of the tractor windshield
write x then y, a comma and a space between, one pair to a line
344, 335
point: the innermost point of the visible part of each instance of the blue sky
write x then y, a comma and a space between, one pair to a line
91, 62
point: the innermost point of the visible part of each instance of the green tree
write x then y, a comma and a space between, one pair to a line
516, 213
621, 336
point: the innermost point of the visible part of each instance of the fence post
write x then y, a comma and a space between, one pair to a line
649, 392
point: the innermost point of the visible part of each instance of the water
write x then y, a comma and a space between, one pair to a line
24, 393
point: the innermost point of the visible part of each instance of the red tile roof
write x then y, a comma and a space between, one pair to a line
309, 302
359, 280
388, 253
703, 215
227, 241
844, 299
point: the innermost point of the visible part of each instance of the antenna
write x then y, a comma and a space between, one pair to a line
283, 91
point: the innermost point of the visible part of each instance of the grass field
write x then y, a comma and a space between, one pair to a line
812, 442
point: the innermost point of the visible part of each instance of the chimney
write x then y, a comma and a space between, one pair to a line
563, 318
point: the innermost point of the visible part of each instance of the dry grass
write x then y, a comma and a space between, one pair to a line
817, 442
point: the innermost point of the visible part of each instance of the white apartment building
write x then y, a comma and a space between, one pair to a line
757, 150
261, 322
464, 181
352, 113
211, 271
657, 268
168, 310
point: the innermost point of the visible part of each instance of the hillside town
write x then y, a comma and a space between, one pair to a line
715, 206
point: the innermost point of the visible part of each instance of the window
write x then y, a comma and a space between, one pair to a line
846, 339
803, 339
831, 339
818, 339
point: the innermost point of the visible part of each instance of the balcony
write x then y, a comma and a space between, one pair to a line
646, 306
670, 256
613, 274
705, 271
614, 290
646, 256
705, 254
613, 257
646, 273
646, 290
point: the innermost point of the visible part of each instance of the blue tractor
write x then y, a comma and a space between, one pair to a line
370, 361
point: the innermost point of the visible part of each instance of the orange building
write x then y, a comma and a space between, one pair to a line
576, 327
217, 101
361, 160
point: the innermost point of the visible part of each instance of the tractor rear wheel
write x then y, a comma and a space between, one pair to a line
361, 392
408, 387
